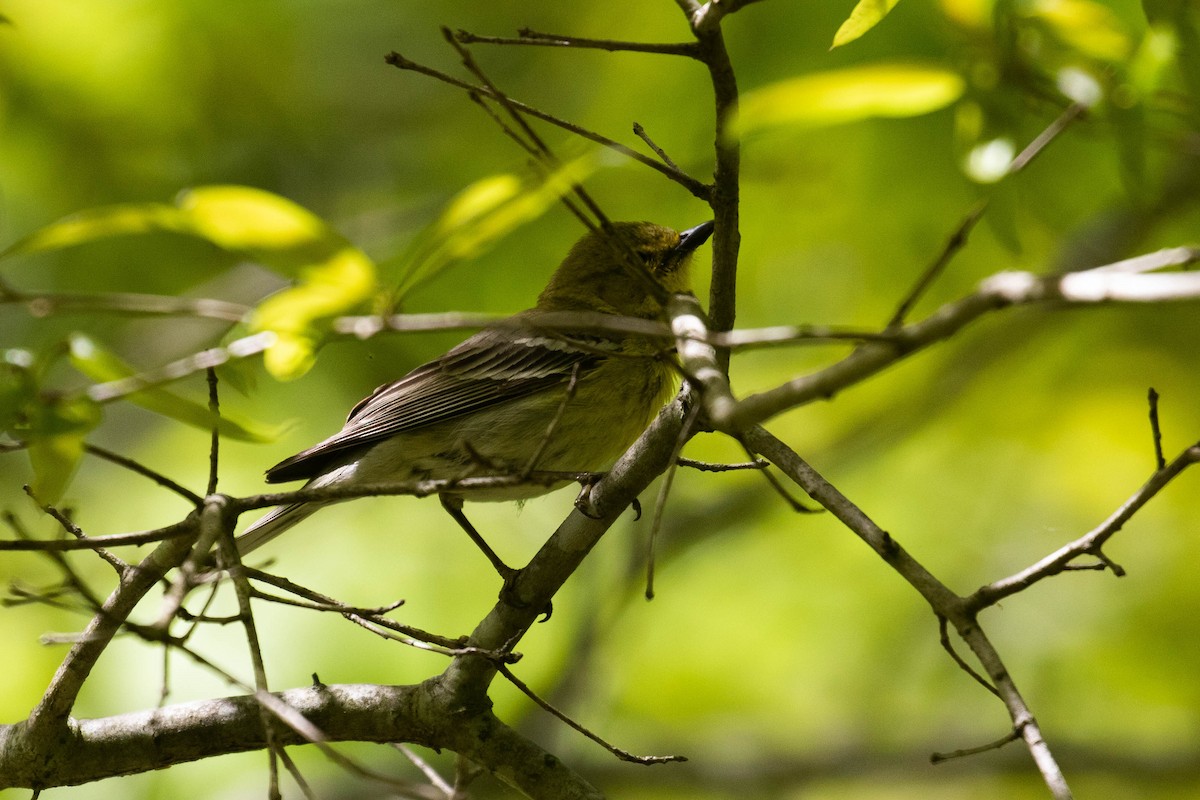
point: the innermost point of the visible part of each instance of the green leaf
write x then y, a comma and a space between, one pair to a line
18, 389
339, 284
266, 227
1090, 28
334, 276
485, 212
55, 439
100, 365
848, 95
101, 223
866, 15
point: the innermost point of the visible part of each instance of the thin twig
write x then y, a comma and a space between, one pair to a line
664, 491
552, 428
1011, 736
948, 646
956, 242
624, 755
640, 132
1089, 543
214, 446
1031, 151
45, 304
529, 37
697, 188
70, 527
175, 530
958, 239
144, 471
1159, 460
710, 466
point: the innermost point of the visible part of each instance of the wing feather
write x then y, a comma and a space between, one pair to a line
484, 371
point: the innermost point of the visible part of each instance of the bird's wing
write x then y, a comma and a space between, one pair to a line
483, 371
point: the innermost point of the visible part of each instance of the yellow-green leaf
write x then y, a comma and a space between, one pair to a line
265, 226
866, 15
101, 223
848, 95
1091, 28
338, 285
100, 365
485, 212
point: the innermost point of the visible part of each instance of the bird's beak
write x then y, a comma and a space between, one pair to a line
692, 238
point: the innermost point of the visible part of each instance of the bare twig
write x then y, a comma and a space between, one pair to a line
695, 187
941, 599
664, 489
1089, 543
640, 132
948, 646
531, 37
45, 304
1160, 461
958, 239
214, 445
141, 469
214, 357
624, 755
1008, 738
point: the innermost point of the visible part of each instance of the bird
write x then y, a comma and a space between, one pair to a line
516, 398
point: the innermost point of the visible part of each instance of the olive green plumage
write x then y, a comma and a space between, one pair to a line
485, 407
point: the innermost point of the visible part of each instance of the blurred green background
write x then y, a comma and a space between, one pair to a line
781, 656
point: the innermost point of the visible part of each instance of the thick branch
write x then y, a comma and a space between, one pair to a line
95, 749
1122, 281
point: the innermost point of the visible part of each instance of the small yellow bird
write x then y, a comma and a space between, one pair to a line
514, 394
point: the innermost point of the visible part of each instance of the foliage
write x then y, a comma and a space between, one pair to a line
774, 632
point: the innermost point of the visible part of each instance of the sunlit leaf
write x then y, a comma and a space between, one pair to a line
268, 228
292, 355
101, 223
1089, 27
100, 365
1152, 62
485, 212
334, 277
866, 15
338, 285
848, 95
969, 13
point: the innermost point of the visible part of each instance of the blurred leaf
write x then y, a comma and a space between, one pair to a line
1089, 27
268, 228
969, 13
482, 214
848, 95
55, 439
866, 15
102, 366
1180, 17
338, 285
1153, 60
53, 428
101, 223
18, 390
334, 276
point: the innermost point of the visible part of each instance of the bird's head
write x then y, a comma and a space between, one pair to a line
601, 271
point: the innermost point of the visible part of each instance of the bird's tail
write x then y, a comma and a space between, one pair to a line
272, 524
